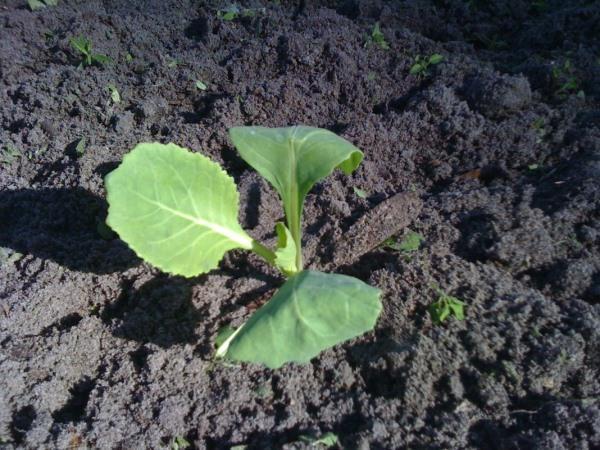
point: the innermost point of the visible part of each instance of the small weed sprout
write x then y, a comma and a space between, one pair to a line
80, 147
233, 12
35, 5
201, 86
180, 443
360, 192
327, 440
566, 81
409, 244
114, 93
9, 155
539, 125
84, 46
421, 65
446, 306
377, 38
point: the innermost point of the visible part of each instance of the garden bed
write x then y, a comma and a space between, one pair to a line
500, 142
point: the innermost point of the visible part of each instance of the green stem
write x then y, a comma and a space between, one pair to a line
263, 251
295, 229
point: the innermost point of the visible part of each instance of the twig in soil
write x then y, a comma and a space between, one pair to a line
377, 225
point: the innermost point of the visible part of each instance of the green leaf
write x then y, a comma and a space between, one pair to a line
328, 439
176, 209
293, 159
411, 242
101, 59
51, 2
416, 69
378, 37
80, 147
457, 308
229, 13
224, 334
114, 93
436, 58
360, 193
201, 86
285, 255
81, 44
445, 306
34, 5
312, 311
180, 443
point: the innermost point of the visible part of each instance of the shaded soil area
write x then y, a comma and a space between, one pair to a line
500, 142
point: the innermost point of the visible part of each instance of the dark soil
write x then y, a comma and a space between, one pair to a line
500, 145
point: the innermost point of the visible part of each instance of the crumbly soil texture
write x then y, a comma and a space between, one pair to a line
499, 142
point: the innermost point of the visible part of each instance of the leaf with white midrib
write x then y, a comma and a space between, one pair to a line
312, 311
176, 209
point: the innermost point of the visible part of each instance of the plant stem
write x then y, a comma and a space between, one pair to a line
295, 231
263, 251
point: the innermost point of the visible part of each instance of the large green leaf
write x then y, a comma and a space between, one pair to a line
176, 209
293, 159
312, 311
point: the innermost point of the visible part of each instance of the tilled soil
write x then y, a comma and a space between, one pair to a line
498, 148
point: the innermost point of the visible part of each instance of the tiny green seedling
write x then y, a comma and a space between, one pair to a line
233, 12
201, 86
360, 193
84, 46
114, 93
409, 244
80, 147
327, 440
9, 155
446, 306
377, 38
35, 5
174, 63
180, 443
566, 81
539, 125
421, 65
9, 256
178, 210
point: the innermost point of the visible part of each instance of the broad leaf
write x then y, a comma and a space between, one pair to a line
312, 311
285, 255
176, 209
293, 159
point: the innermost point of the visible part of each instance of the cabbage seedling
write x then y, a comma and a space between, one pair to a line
178, 211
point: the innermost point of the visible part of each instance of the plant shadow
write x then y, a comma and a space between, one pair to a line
161, 312
62, 225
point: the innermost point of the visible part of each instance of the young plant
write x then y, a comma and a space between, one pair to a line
232, 12
421, 65
445, 306
34, 5
114, 93
377, 38
9, 155
566, 81
410, 243
84, 46
178, 211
